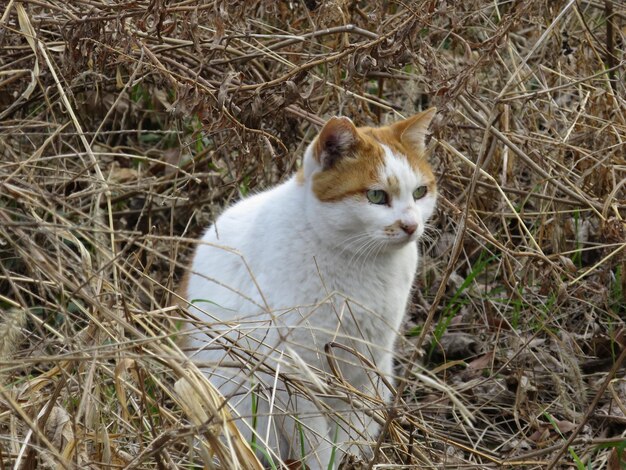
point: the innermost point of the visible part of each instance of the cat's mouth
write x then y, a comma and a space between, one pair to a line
400, 234
401, 238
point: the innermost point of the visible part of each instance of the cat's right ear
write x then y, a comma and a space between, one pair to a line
335, 141
412, 131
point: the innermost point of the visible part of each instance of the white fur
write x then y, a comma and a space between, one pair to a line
282, 274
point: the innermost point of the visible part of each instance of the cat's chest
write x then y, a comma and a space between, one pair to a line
380, 283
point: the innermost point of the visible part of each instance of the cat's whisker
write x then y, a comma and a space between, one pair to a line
381, 245
355, 253
361, 252
370, 249
428, 227
431, 231
354, 239
367, 255
430, 234
426, 237
346, 244
356, 236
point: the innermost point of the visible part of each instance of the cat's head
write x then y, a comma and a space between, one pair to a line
373, 184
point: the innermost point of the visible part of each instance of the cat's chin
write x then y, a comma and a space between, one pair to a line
401, 241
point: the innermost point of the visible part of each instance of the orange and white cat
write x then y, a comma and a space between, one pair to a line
328, 256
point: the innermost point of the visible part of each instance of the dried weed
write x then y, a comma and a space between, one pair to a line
126, 126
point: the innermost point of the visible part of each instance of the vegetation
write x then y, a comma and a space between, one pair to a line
126, 126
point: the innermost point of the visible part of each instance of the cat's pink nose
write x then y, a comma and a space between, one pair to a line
409, 229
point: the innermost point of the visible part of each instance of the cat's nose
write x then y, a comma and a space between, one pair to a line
409, 228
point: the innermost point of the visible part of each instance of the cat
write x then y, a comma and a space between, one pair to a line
314, 272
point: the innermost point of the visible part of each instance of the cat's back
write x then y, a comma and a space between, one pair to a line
248, 221
258, 218
249, 241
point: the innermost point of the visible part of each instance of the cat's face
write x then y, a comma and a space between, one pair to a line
375, 185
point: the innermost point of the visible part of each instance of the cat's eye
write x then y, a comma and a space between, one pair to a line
420, 192
377, 196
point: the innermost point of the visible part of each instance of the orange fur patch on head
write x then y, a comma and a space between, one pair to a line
358, 168
406, 138
388, 136
353, 174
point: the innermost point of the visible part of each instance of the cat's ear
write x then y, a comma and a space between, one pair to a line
336, 140
412, 131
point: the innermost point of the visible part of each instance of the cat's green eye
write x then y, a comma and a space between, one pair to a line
377, 196
420, 192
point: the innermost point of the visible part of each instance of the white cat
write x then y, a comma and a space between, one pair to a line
327, 257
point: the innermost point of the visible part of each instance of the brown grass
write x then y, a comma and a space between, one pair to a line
125, 126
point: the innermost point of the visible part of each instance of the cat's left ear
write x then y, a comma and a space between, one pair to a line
336, 140
412, 131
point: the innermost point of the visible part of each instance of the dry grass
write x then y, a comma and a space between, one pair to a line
124, 127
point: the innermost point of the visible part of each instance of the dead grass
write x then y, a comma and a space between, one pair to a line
124, 127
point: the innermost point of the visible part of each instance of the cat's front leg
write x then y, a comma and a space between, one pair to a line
306, 430
364, 419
